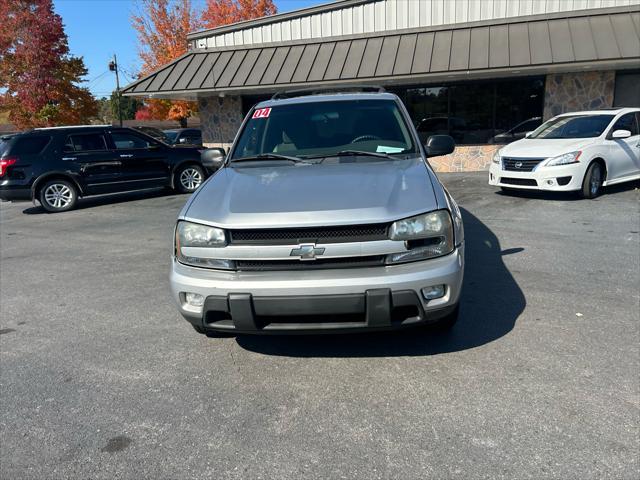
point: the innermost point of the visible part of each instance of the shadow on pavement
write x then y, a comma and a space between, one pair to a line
490, 304
108, 199
568, 196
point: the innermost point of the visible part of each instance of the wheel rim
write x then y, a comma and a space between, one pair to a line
595, 180
190, 178
58, 195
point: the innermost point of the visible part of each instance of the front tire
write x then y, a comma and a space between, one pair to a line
592, 183
58, 195
442, 325
211, 333
188, 178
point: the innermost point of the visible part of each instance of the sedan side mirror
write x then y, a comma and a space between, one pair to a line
439, 145
621, 134
528, 134
212, 157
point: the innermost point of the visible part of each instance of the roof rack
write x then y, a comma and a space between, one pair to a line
62, 127
321, 91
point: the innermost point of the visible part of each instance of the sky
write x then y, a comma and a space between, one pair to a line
98, 29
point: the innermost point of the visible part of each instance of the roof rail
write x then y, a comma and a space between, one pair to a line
324, 90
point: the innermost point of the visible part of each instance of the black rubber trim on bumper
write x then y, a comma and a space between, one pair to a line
376, 309
9, 193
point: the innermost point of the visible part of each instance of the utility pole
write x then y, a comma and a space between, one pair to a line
113, 66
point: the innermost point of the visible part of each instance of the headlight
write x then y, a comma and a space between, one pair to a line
426, 236
196, 235
565, 159
497, 157
193, 236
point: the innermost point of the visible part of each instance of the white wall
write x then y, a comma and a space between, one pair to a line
382, 15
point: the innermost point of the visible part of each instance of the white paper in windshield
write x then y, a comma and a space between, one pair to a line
384, 149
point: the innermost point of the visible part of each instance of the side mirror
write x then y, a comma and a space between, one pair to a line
439, 145
212, 157
621, 134
182, 140
528, 134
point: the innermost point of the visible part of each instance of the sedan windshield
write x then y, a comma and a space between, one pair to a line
329, 128
573, 126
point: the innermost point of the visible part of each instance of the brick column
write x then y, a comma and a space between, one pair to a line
220, 119
571, 92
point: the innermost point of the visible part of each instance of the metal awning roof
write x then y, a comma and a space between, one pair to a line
567, 42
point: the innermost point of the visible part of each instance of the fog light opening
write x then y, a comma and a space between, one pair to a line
194, 299
551, 182
433, 292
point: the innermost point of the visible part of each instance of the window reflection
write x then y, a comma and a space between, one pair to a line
476, 113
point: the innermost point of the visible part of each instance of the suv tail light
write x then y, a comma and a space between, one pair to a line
5, 163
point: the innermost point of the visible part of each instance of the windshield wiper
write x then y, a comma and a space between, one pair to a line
353, 153
268, 156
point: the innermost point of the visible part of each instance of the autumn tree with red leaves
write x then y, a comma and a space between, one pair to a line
224, 12
39, 79
162, 28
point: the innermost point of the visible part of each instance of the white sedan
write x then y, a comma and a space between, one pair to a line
581, 151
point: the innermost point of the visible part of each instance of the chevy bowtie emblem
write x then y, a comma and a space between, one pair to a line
518, 164
307, 252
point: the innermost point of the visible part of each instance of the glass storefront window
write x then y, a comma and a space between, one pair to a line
627, 93
476, 113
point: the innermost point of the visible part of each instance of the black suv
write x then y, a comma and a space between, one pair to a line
57, 165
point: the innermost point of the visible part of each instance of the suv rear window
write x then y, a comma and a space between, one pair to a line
85, 143
30, 145
5, 142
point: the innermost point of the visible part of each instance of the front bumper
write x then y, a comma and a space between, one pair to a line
321, 301
557, 178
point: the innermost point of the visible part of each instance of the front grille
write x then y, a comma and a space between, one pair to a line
347, 262
288, 236
520, 164
527, 182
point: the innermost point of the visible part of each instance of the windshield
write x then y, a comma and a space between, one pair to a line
171, 135
573, 126
325, 128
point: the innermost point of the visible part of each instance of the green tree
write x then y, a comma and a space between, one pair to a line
129, 107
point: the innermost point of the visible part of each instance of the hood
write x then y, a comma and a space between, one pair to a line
544, 147
283, 195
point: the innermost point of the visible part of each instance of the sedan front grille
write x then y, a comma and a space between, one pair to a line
525, 182
520, 164
291, 236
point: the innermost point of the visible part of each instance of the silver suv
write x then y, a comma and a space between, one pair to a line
325, 216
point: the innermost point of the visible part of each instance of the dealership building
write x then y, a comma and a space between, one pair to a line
478, 70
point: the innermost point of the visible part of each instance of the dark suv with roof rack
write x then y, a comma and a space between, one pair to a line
57, 165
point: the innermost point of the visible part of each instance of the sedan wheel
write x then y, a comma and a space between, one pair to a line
592, 183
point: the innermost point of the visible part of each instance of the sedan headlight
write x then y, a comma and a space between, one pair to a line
565, 159
497, 157
426, 236
193, 237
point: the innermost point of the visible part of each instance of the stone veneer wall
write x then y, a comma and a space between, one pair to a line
570, 92
220, 119
466, 158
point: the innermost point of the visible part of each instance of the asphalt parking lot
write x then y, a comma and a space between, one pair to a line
101, 378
